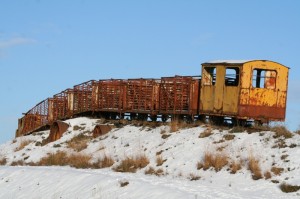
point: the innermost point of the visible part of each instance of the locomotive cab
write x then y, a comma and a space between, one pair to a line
244, 90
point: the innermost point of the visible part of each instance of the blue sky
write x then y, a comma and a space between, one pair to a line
48, 46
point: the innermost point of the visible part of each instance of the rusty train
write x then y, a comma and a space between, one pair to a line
238, 90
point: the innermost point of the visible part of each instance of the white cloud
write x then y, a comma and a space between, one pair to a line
16, 41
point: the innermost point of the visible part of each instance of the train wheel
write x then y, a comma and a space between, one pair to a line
202, 118
189, 119
133, 116
153, 118
164, 118
142, 117
216, 120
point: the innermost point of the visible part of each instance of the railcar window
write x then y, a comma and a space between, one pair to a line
264, 78
232, 76
209, 76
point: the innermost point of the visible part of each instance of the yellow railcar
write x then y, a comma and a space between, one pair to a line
244, 90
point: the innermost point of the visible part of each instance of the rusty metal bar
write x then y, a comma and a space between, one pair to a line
83, 98
142, 96
110, 95
179, 95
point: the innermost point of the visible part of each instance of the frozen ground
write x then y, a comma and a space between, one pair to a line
181, 151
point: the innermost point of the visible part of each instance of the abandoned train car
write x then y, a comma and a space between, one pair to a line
253, 90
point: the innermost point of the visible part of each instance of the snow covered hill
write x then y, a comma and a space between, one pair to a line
195, 162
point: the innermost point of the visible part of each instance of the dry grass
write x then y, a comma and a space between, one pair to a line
79, 142
152, 171
174, 125
76, 128
267, 175
18, 163
277, 170
105, 162
254, 167
3, 161
229, 137
235, 166
159, 160
131, 164
286, 188
62, 159
206, 133
216, 161
23, 144
281, 131
194, 177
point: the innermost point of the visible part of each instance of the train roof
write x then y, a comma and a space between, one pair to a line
235, 62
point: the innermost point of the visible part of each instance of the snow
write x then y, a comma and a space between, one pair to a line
182, 150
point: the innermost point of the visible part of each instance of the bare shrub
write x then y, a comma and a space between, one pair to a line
237, 129
23, 144
286, 188
235, 166
81, 161
105, 162
152, 171
277, 170
281, 131
253, 166
131, 164
194, 177
206, 133
229, 137
79, 142
61, 158
18, 163
267, 175
159, 160
124, 183
3, 161
174, 125
76, 128
217, 161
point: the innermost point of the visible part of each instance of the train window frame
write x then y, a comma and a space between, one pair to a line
264, 78
209, 76
232, 79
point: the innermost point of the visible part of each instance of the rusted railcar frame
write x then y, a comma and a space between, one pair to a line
83, 98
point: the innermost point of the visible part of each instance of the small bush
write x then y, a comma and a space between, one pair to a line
174, 125
217, 161
159, 160
235, 166
277, 170
253, 166
3, 161
76, 128
152, 171
206, 133
237, 129
124, 183
79, 142
62, 159
286, 188
59, 159
194, 177
18, 163
267, 175
23, 144
131, 164
79, 161
105, 162
229, 137
281, 131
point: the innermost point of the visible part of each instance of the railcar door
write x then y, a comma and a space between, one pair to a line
219, 91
